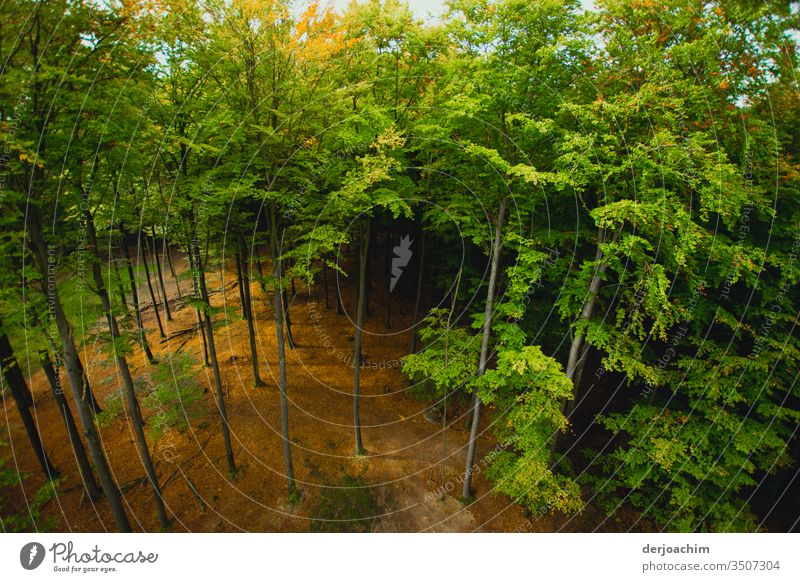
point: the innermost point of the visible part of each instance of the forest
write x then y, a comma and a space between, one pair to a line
278, 266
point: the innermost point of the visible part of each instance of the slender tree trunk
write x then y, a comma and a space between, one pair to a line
363, 256
72, 364
127, 380
150, 285
171, 263
164, 295
206, 361
241, 285
200, 324
248, 305
578, 349
24, 401
466, 491
418, 297
85, 468
288, 320
121, 286
261, 280
212, 354
279, 311
88, 395
135, 297
339, 303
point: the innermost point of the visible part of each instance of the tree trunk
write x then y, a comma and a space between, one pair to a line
200, 324
150, 284
260, 268
171, 263
72, 364
578, 348
288, 320
127, 380
212, 353
135, 297
88, 395
85, 468
241, 286
160, 273
248, 306
339, 303
466, 490
121, 286
24, 401
279, 310
206, 361
363, 258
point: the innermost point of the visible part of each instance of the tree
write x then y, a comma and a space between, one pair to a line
365, 189
24, 401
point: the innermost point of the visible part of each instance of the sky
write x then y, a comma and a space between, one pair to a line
422, 8
425, 8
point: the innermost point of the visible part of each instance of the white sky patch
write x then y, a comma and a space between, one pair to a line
424, 9
421, 8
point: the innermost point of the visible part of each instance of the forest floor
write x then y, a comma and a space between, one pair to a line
394, 487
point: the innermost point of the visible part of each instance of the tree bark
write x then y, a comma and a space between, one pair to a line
121, 286
288, 320
363, 258
248, 306
88, 394
260, 269
72, 364
84, 467
339, 303
200, 323
466, 490
212, 353
135, 297
171, 263
150, 283
127, 380
578, 348
24, 401
240, 284
279, 310
164, 295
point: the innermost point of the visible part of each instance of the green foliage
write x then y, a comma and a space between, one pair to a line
346, 507
176, 399
449, 358
652, 202
527, 388
113, 408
